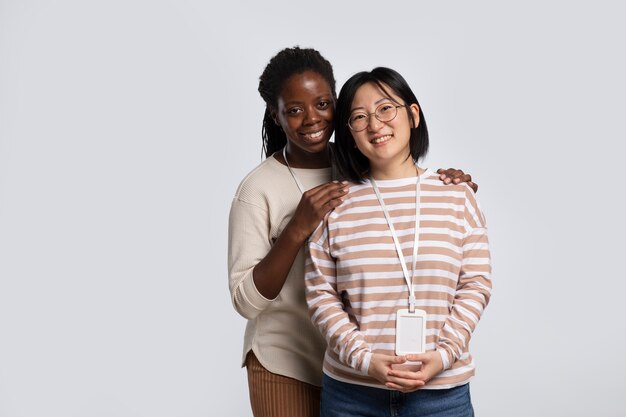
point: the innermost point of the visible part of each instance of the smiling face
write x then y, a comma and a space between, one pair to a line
305, 111
385, 144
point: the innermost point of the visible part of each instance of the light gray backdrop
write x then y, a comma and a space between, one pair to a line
126, 126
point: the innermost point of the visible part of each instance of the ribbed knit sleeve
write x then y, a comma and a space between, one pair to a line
248, 244
326, 307
473, 288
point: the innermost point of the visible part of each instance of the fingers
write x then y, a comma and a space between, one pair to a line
426, 373
431, 365
404, 388
456, 176
416, 357
450, 172
422, 357
407, 383
390, 359
327, 191
315, 204
462, 178
401, 380
334, 193
446, 172
447, 175
327, 196
467, 178
320, 189
404, 375
394, 360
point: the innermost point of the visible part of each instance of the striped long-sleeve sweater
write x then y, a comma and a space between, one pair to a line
355, 284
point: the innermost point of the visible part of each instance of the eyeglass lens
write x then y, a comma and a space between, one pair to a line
384, 113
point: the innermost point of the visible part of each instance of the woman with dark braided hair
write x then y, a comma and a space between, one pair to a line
275, 209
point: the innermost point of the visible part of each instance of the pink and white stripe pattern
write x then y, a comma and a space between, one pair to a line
355, 283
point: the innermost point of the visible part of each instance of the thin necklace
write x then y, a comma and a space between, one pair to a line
293, 174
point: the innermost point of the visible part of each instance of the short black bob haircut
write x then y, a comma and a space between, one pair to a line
352, 164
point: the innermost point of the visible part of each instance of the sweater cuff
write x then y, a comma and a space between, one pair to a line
445, 360
255, 299
365, 364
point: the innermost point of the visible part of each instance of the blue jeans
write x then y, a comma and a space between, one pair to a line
341, 399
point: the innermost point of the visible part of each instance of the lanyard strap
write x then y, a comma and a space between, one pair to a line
409, 281
293, 174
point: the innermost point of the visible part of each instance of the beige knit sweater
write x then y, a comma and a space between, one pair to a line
279, 331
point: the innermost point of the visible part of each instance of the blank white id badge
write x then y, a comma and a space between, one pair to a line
410, 332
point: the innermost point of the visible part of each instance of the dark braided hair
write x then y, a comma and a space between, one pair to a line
283, 65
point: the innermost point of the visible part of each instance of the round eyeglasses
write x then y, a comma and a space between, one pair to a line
386, 112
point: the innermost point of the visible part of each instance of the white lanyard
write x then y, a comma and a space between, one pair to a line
293, 174
409, 282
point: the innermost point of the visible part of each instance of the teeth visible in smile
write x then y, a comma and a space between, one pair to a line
316, 134
381, 139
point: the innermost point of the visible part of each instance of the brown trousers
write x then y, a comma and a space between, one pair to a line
273, 395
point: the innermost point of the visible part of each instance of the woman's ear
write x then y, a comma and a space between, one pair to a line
274, 116
415, 111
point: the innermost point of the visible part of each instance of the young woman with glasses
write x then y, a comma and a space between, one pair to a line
274, 210
399, 272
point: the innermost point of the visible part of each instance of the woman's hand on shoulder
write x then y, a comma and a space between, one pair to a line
456, 176
314, 205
